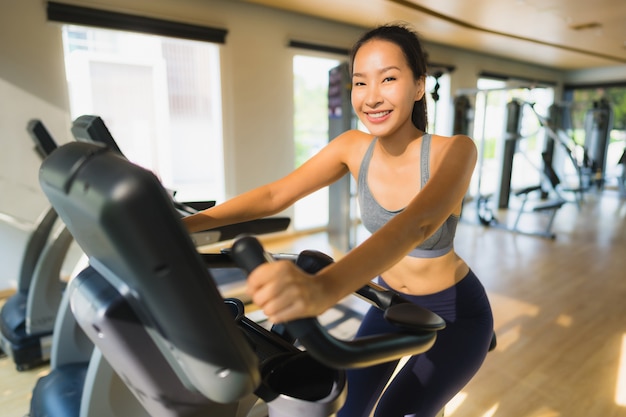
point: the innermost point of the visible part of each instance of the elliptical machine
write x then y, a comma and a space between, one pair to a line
149, 305
27, 317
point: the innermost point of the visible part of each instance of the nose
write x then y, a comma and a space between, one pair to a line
373, 97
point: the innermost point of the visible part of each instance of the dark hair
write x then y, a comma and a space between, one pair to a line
411, 46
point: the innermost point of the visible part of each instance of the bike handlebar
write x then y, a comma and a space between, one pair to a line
413, 336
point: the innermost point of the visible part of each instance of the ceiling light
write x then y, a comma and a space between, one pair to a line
586, 26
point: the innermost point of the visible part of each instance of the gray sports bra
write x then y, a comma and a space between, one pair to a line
374, 216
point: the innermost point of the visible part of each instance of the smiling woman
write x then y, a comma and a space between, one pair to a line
411, 187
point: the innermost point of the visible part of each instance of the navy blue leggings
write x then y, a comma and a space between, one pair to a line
428, 381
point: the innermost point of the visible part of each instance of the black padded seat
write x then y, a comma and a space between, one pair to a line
25, 349
59, 393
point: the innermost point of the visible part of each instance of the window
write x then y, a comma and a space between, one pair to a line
311, 131
161, 99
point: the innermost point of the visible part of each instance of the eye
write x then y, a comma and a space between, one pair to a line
358, 83
389, 79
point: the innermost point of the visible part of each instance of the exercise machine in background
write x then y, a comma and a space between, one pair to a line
568, 168
589, 157
27, 318
622, 178
541, 198
557, 138
598, 125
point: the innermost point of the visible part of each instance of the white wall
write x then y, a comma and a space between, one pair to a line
257, 89
31, 85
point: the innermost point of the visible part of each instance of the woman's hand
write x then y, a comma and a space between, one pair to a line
284, 292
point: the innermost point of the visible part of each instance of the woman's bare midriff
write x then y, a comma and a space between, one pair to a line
422, 276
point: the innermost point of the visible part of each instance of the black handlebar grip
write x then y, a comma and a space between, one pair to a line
248, 253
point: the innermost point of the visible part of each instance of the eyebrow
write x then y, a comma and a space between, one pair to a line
382, 71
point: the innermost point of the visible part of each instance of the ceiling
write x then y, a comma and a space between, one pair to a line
563, 34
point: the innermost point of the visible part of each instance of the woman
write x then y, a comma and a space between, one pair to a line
411, 186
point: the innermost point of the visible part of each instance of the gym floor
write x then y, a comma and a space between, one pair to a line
559, 307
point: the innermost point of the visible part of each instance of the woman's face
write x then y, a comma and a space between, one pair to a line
384, 88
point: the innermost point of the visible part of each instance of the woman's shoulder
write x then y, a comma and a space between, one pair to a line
436, 137
456, 150
353, 139
351, 145
356, 136
454, 141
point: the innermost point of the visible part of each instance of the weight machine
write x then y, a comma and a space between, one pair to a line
549, 181
598, 125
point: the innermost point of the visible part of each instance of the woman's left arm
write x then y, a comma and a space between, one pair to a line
286, 293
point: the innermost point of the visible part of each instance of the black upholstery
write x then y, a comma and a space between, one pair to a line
58, 394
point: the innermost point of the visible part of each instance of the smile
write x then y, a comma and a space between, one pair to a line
379, 114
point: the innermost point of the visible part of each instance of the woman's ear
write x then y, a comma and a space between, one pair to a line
421, 88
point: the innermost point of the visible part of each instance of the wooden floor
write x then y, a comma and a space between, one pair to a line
560, 314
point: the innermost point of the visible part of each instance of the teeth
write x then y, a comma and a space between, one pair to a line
379, 114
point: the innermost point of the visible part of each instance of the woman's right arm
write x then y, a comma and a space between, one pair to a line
325, 167
251, 205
